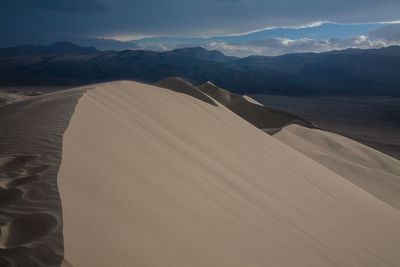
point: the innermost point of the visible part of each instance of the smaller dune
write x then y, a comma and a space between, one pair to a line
364, 166
181, 86
268, 119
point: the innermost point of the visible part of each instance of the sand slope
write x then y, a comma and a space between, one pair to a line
8, 98
260, 116
153, 177
181, 86
366, 167
30, 154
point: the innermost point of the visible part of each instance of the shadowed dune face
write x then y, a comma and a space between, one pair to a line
178, 85
260, 116
268, 119
30, 154
154, 177
7, 98
366, 167
26, 228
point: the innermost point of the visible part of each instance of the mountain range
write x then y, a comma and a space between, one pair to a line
354, 72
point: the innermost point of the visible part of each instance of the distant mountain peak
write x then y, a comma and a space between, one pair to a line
202, 53
196, 48
70, 47
64, 44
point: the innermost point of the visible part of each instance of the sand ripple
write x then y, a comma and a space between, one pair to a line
30, 154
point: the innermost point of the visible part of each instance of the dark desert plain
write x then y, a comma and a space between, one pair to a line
199, 133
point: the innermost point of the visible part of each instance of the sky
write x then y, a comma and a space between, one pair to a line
235, 27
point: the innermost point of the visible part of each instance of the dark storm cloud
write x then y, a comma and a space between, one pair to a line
388, 33
73, 6
228, 1
45, 21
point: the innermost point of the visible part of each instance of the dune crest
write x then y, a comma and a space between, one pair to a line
153, 177
181, 86
260, 116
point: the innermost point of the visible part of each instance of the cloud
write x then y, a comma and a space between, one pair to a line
28, 21
157, 46
228, 1
280, 46
379, 35
388, 34
72, 6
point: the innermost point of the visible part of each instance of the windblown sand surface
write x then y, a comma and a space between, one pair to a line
154, 177
30, 154
8, 98
366, 167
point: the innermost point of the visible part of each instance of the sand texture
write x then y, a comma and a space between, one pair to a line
8, 98
158, 177
30, 154
366, 167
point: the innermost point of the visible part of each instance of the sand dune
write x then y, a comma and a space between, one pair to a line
156, 177
366, 167
30, 154
260, 116
181, 86
370, 120
168, 176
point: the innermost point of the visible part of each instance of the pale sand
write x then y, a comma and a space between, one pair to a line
152, 177
366, 167
252, 100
